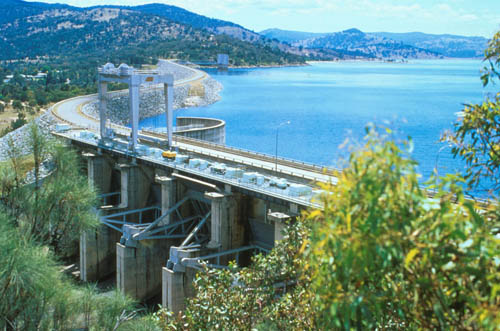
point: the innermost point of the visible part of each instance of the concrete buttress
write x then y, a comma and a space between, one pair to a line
135, 185
139, 269
97, 253
99, 172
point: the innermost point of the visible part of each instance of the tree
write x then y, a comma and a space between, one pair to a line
476, 138
16, 104
29, 280
20, 121
41, 215
56, 208
385, 255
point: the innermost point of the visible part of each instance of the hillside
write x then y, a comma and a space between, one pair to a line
352, 43
414, 44
289, 36
448, 45
11, 10
40, 30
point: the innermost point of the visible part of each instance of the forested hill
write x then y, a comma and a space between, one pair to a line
414, 42
446, 44
34, 30
11, 10
353, 43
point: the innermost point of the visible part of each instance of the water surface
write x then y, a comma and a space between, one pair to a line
327, 102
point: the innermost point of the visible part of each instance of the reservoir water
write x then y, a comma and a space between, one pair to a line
328, 102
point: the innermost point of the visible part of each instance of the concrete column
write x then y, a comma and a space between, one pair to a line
134, 108
139, 269
168, 92
99, 172
294, 209
168, 195
135, 186
97, 253
226, 231
177, 278
173, 295
219, 229
103, 101
279, 220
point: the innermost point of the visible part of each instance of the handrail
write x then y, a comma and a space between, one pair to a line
264, 157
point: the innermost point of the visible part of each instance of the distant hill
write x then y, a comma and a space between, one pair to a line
352, 43
289, 36
427, 45
34, 30
186, 17
446, 44
11, 10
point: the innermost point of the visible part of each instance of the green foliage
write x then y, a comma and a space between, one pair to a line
17, 105
492, 55
36, 296
54, 210
384, 255
20, 121
476, 137
29, 280
40, 221
268, 294
113, 310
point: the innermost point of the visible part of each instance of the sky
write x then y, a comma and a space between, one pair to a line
463, 17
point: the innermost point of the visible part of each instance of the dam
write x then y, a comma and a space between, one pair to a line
171, 203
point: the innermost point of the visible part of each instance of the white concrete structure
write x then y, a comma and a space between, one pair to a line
134, 78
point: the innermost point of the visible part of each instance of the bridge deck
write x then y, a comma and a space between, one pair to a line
265, 189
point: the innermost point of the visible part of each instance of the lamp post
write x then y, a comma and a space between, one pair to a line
276, 158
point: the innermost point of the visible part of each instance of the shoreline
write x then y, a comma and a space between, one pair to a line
312, 62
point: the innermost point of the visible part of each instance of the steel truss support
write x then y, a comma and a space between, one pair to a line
189, 228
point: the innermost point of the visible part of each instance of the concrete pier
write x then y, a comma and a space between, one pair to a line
226, 230
139, 269
168, 194
135, 185
178, 279
97, 247
97, 253
279, 220
99, 172
173, 295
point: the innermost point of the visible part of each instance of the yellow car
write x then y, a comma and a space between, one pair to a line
169, 155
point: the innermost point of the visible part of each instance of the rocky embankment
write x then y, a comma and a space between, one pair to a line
152, 103
17, 141
199, 93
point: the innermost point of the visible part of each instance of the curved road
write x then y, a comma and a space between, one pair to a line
69, 111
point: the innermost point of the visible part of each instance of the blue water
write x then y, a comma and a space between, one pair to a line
329, 102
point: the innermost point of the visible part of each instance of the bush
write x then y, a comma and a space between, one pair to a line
385, 255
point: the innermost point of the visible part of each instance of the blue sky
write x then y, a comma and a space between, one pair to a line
464, 17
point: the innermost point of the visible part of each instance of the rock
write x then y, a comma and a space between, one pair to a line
20, 137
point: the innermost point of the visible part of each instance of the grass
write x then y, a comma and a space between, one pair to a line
9, 115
